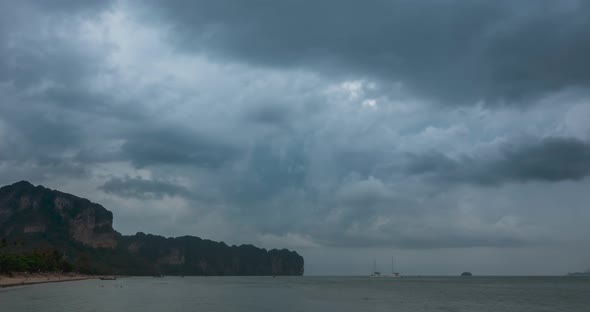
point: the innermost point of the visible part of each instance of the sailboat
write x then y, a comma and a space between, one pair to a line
394, 274
375, 272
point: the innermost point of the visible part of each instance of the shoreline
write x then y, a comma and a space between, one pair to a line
40, 278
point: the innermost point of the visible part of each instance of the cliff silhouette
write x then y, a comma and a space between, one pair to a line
36, 218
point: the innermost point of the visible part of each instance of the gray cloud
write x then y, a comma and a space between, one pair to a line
175, 147
271, 170
554, 159
143, 189
32, 54
246, 124
549, 160
454, 51
269, 114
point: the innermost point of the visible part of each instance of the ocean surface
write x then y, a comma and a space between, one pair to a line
304, 294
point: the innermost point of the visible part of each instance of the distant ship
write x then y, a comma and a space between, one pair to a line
108, 278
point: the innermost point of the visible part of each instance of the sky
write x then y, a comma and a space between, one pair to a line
451, 135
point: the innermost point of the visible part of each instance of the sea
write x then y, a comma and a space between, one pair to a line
304, 293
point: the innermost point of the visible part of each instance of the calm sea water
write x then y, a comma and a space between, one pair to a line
304, 294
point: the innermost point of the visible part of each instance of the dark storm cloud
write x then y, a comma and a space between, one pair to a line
276, 118
143, 189
553, 159
28, 63
169, 146
454, 51
44, 70
549, 160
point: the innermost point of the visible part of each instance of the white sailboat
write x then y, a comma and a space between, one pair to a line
394, 274
375, 272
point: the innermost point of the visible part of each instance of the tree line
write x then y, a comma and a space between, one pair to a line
42, 260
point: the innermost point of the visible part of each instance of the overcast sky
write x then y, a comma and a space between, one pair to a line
453, 135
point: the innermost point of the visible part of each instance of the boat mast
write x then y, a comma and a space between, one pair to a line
392, 270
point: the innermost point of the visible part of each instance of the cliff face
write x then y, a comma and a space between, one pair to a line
26, 209
39, 217
188, 255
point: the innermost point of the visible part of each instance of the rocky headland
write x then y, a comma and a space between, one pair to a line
34, 218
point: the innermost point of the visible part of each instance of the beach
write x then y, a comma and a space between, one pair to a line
21, 279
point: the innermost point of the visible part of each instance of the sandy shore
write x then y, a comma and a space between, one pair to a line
40, 278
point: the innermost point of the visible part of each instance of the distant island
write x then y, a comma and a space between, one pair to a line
587, 273
47, 230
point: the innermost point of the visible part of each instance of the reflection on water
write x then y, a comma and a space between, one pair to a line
304, 294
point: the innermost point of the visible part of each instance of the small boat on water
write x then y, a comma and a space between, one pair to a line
375, 272
107, 278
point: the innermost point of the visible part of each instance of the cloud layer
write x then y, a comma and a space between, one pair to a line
452, 51
334, 128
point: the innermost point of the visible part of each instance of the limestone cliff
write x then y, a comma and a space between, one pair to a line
35, 216
26, 209
188, 255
